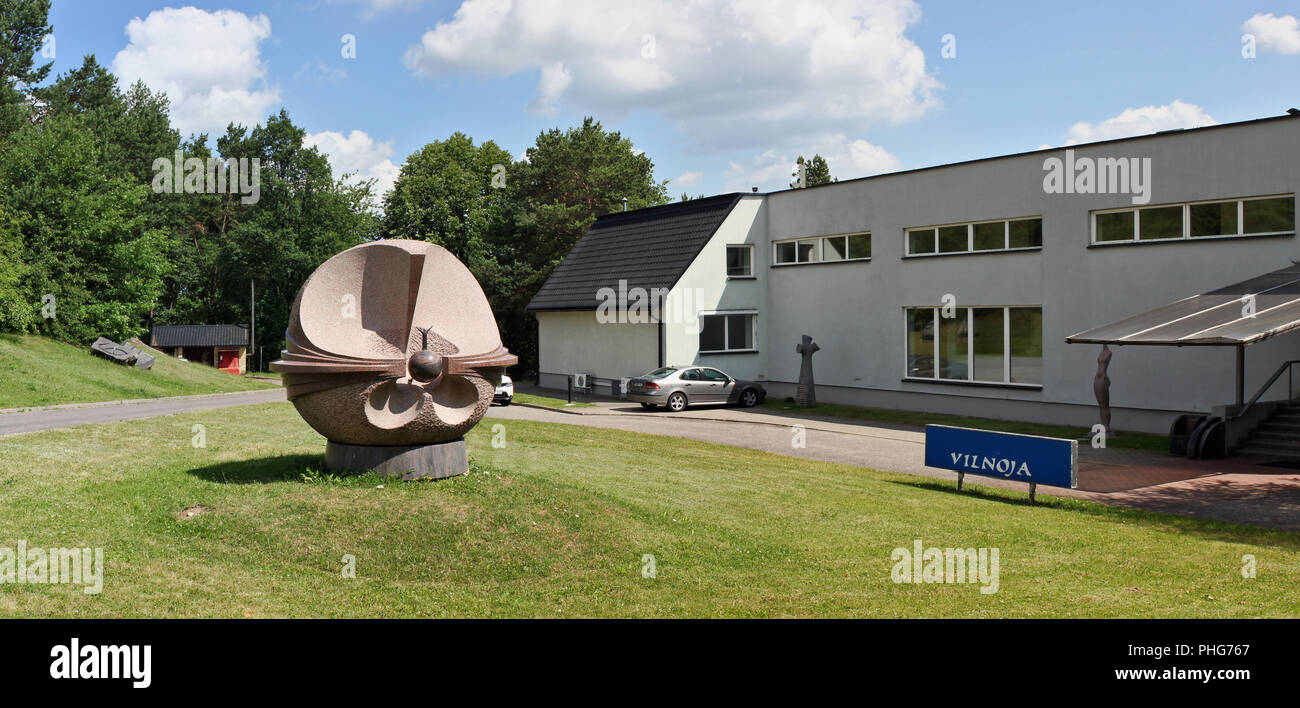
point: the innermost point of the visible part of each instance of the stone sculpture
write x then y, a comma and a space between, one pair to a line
124, 354
806, 396
393, 355
1101, 387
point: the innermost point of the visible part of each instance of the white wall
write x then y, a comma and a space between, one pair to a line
705, 286
574, 342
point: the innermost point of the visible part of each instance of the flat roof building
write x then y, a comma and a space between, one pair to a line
953, 289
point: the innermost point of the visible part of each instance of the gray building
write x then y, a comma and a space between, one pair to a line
953, 289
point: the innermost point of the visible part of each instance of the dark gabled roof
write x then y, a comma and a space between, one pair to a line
649, 248
199, 336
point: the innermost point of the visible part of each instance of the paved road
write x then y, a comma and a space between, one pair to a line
65, 416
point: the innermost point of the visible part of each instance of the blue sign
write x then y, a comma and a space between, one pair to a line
1020, 458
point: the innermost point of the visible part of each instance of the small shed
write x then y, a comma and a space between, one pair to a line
222, 346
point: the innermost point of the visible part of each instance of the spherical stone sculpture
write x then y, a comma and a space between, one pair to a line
393, 355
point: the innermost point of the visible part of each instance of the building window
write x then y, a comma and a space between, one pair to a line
727, 332
823, 249
991, 345
1254, 216
976, 237
740, 261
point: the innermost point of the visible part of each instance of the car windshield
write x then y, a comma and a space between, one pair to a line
659, 373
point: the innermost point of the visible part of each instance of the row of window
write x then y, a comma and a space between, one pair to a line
1189, 220
1254, 216
992, 345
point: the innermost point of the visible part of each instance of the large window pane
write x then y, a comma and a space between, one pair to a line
808, 250
713, 333
738, 332
1262, 216
990, 236
1161, 222
1116, 226
738, 261
954, 347
834, 248
920, 342
952, 239
989, 345
1027, 345
785, 252
860, 246
1217, 219
921, 241
1027, 233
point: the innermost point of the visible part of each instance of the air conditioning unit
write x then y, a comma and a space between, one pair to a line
580, 381
620, 389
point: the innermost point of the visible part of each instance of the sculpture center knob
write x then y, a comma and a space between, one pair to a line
425, 366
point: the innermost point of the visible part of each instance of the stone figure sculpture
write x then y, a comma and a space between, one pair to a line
393, 355
1101, 386
806, 396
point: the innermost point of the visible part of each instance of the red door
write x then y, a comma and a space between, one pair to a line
228, 360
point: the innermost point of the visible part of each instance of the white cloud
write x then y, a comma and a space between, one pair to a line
1274, 34
1141, 121
360, 155
728, 73
208, 63
687, 179
847, 159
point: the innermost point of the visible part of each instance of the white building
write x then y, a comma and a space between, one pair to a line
953, 288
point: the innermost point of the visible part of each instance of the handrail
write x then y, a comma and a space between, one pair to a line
1271, 380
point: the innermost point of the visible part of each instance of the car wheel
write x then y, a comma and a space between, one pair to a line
507, 401
749, 398
677, 402
649, 405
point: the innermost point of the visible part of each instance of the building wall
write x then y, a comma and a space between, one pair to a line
576, 343
854, 310
705, 288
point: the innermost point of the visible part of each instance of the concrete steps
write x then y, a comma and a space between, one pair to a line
1278, 437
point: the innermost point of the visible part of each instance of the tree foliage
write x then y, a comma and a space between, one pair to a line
816, 171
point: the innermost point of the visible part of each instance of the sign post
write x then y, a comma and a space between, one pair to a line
1023, 458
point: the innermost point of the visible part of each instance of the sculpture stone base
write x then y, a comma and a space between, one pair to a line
436, 461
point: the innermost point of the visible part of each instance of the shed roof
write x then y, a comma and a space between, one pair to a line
199, 336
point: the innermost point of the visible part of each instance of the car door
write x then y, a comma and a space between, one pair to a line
719, 385
694, 386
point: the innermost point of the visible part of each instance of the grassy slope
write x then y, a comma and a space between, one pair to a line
36, 371
548, 401
1138, 441
556, 522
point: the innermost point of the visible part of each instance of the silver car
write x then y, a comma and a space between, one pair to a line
676, 387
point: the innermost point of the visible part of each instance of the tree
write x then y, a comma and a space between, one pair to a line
816, 171
23, 27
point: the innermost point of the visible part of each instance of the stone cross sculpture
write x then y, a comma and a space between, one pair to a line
1101, 386
806, 396
393, 355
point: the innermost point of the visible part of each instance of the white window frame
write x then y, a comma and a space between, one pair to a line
970, 238
819, 249
749, 247
726, 331
970, 346
1187, 221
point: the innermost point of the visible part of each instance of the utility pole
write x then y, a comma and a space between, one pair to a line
252, 316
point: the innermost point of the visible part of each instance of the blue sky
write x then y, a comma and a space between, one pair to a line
722, 95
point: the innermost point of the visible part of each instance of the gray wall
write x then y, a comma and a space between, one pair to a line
855, 310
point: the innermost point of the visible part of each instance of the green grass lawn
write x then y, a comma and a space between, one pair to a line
37, 371
1125, 439
556, 524
548, 401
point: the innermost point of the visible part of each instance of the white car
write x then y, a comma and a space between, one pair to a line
505, 392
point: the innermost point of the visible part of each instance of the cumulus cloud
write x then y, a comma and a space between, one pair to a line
1274, 34
1141, 121
208, 63
687, 179
359, 155
728, 73
848, 159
